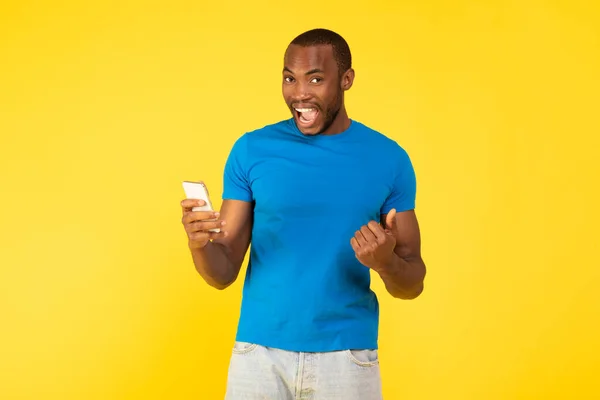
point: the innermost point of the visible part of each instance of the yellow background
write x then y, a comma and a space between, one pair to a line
106, 107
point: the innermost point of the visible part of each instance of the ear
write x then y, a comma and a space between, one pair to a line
347, 79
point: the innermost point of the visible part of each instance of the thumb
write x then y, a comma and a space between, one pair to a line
390, 221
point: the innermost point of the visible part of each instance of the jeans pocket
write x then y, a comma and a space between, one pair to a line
243, 347
364, 358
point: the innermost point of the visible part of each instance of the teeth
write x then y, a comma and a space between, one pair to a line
302, 110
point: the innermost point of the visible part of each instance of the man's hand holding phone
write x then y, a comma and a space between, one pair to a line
200, 221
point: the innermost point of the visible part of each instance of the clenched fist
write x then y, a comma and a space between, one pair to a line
374, 245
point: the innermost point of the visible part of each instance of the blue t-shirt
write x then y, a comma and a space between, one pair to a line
304, 289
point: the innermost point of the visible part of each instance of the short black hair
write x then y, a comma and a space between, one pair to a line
320, 36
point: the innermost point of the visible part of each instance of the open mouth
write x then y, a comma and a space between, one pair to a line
306, 116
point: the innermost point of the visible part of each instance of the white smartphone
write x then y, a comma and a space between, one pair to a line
197, 190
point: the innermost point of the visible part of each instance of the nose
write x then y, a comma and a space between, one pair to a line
301, 91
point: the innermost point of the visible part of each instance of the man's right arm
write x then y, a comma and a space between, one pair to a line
218, 257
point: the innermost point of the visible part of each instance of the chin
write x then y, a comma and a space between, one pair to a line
310, 132
314, 129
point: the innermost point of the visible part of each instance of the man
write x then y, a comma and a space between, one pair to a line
324, 200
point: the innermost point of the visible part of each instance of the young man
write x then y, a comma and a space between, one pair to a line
324, 200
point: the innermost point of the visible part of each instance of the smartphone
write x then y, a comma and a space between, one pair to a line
197, 190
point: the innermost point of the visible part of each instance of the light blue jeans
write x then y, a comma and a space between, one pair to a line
257, 372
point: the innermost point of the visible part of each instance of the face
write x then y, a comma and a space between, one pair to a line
313, 88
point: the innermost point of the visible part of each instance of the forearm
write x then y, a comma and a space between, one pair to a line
214, 265
404, 278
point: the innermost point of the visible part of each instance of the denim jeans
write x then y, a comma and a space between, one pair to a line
257, 372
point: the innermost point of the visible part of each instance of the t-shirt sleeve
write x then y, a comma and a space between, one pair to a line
236, 185
404, 185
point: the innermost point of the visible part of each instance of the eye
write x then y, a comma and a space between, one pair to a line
316, 80
288, 79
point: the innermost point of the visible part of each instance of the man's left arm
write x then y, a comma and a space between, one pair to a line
404, 276
392, 248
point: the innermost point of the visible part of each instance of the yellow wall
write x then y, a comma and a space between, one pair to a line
106, 108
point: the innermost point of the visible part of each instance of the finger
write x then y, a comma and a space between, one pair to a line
355, 245
198, 236
368, 234
194, 216
390, 220
359, 250
204, 225
217, 235
377, 230
360, 238
188, 204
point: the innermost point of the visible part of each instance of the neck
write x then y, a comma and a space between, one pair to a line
339, 124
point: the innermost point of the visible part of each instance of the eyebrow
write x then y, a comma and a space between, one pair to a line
312, 71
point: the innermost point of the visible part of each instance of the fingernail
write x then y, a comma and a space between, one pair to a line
222, 222
217, 214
